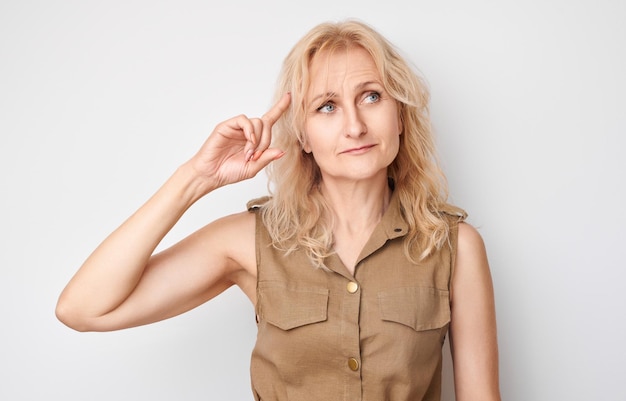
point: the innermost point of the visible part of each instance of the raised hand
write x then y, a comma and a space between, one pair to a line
238, 148
122, 286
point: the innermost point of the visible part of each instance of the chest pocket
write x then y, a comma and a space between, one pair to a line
421, 308
288, 307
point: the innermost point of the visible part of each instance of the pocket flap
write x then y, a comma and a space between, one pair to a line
288, 307
421, 308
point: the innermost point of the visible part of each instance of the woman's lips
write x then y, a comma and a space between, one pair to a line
358, 150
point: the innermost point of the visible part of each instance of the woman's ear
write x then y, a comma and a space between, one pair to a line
305, 144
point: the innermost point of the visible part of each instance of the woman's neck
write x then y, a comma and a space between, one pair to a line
356, 206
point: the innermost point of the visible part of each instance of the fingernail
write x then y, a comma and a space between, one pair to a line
249, 155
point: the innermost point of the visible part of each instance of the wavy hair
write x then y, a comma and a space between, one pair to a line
297, 215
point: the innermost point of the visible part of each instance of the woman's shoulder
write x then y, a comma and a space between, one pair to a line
471, 255
236, 224
469, 238
229, 233
233, 239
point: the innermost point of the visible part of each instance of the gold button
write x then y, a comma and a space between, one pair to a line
352, 287
353, 364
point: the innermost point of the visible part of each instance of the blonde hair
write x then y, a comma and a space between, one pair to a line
297, 215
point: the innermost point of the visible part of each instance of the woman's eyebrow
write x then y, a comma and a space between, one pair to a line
357, 87
327, 95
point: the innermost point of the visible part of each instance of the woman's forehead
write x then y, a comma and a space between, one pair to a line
329, 69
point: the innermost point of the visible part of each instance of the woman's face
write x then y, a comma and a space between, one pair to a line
352, 125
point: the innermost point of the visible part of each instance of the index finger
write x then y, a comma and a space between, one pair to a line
276, 111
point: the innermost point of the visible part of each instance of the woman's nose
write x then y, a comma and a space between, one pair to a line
354, 123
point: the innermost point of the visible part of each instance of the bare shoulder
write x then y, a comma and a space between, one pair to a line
234, 236
471, 267
470, 242
237, 223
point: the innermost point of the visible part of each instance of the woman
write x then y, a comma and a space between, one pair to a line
356, 264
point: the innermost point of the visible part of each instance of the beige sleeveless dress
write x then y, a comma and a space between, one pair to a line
376, 335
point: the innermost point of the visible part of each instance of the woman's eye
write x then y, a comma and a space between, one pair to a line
326, 108
372, 97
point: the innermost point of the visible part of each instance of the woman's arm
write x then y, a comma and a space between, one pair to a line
473, 339
121, 284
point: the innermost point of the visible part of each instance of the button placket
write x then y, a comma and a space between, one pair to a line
352, 289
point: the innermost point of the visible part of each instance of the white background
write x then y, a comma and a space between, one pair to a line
101, 101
